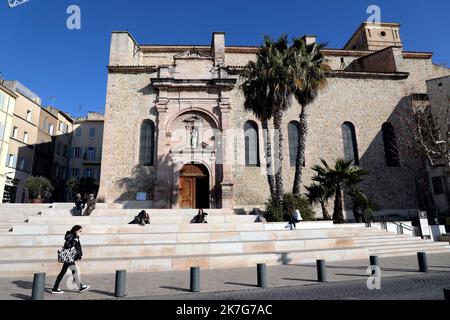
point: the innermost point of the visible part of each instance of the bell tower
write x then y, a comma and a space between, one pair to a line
375, 36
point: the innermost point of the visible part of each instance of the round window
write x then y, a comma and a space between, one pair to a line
383, 33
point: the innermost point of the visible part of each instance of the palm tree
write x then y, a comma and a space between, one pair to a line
311, 70
363, 206
269, 84
256, 102
344, 174
318, 193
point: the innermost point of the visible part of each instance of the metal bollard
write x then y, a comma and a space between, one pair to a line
447, 294
423, 261
195, 279
374, 261
262, 275
321, 271
38, 286
121, 283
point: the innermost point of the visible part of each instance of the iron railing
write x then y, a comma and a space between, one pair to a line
401, 227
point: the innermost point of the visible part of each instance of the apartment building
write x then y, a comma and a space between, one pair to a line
23, 135
87, 147
61, 156
7, 104
45, 146
44, 141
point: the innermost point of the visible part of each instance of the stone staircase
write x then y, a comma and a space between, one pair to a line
11, 215
172, 243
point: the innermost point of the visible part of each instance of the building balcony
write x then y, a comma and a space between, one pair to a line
91, 162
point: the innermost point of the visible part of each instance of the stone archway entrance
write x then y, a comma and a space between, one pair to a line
194, 187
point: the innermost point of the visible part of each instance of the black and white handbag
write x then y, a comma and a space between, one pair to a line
67, 255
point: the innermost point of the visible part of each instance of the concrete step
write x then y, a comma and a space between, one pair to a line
180, 249
185, 219
177, 228
14, 221
135, 238
99, 212
407, 247
410, 246
185, 249
390, 241
25, 206
7, 217
400, 253
182, 263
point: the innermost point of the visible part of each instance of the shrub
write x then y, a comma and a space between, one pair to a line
274, 213
82, 186
73, 186
291, 203
39, 188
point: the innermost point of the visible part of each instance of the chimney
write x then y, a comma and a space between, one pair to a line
309, 39
218, 48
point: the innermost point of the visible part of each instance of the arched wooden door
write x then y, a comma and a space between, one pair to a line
194, 187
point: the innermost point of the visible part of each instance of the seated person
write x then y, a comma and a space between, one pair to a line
79, 205
90, 205
296, 218
142, 218
200, 217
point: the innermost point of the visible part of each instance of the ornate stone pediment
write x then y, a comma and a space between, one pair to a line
203, 147
194, 54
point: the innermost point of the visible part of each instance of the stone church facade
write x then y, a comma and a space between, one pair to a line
177, 136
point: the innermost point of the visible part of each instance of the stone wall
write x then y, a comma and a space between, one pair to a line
130, 100
368, 104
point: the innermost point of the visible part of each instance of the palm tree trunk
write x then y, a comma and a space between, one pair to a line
277, 123
268, 155
326, 215
338, 215
300, 151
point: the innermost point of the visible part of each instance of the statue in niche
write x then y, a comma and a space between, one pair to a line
194, 137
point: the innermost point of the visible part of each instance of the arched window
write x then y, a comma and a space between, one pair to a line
251, 144
293, 133
147, 144
350, 143
390, 145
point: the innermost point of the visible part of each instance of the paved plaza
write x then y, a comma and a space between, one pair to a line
347, 280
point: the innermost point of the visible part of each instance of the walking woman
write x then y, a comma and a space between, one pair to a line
72, 240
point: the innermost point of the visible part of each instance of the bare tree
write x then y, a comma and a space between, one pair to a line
422, 136
424, 132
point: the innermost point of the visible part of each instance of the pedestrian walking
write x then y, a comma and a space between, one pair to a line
68, 255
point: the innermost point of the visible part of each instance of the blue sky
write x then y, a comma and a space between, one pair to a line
37, 49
